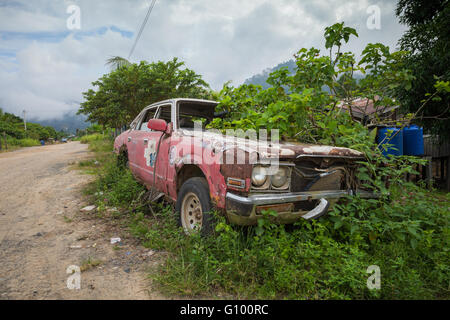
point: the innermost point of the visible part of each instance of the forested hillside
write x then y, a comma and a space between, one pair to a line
261, 78
13, 128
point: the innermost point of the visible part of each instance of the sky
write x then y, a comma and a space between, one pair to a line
47, 59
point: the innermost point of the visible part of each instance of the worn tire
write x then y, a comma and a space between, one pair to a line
195, 189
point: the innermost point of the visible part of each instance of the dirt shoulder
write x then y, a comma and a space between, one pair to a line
43, 232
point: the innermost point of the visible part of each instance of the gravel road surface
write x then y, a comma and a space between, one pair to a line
43, 233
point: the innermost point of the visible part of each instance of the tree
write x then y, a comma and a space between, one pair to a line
427, 41
303, 104
117, 62
121, 94
12, 125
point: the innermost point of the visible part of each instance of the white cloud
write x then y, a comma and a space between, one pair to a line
48, 78
20, 20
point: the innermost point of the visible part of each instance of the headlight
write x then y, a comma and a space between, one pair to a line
280, 178
259, 176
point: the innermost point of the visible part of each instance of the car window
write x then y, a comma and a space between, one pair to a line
150, 114
190, 112
164, 113
188, 121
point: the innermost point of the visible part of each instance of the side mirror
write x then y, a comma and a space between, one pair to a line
157, 125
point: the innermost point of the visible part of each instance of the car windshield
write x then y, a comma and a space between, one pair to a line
190, 112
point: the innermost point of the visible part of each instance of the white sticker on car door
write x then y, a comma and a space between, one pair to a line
150, 153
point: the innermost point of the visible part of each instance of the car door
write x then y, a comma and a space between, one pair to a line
135, 143
151, 157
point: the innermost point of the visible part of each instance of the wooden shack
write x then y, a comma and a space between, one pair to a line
439, 154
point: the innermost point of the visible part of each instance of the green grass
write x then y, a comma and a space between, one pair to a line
92, 137
14, 144
87, 163
407, 237
102, 149
102, 146
28, 142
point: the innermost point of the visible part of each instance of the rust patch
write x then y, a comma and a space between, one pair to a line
236, 165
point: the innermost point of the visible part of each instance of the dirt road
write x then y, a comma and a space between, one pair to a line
43, 232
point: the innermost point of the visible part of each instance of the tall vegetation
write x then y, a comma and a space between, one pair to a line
427, 43
120, 95
304, 104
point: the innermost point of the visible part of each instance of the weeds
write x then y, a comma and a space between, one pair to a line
86, 163
14, 143
26, 142
92, 137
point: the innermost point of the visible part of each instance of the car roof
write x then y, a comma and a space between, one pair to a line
172, 101
176, 100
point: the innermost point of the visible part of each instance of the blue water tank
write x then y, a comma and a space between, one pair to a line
396, 143
413, 141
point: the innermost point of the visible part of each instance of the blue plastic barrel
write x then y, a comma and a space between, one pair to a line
413, 141
386, 136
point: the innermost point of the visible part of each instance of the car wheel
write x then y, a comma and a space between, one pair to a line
193, 207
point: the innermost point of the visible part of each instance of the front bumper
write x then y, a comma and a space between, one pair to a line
246, 210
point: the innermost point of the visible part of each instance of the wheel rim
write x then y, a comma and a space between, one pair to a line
191, 213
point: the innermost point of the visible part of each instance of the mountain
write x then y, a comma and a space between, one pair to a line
69, 122
261, 78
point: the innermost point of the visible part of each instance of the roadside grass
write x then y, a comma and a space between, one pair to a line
25, 142
14, 144
407, 237
102, 148
92, 137
86, 163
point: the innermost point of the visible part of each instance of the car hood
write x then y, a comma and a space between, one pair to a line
267, 149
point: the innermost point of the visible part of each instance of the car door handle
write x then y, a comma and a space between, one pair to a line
129, 139
145, 141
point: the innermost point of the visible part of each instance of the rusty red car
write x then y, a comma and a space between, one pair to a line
200, 170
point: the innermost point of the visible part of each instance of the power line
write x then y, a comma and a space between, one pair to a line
150, 9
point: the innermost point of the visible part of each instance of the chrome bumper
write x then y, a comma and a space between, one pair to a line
263, 199
246, 204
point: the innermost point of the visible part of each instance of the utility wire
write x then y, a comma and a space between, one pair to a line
150, 9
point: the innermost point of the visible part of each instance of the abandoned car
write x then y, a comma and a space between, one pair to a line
201, 170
